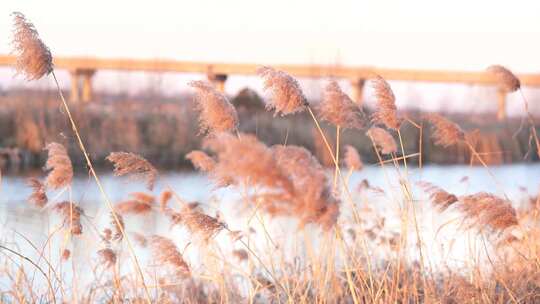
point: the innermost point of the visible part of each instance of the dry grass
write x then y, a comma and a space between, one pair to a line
315, 262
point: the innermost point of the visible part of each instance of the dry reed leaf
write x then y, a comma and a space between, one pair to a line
445, 132
107, 257
506, 80
439, 197
287, 96
201, 160
34, 59
39, 195
216, 113
165, 252
72, 216
338, 108
485, 210
386, 112
59, 164
126, 163
383, 140
352, 159
139, 203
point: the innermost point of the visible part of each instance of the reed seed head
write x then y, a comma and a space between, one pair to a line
506, 80
386, 112
165, 252
38, 196
201, 160
34, 59
445, 132
136, 166
287, 96
338, 108
487, 210
139, 203
439, 197
216, 113
72, 216
383, 140
107, 257
200, 224
352, 159
59, 164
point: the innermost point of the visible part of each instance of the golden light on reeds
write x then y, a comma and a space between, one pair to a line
216, 113
39, 195
383, 140
352, 158
445, 132
34, 59
165, 252
506, 80
386, 110
71, 214
337, 108
287, 96
136, 166
59, 164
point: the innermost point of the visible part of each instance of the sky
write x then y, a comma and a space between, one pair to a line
457, 35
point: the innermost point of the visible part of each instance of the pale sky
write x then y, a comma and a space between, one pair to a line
458, 34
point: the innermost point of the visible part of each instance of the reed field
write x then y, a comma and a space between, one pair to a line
287, 222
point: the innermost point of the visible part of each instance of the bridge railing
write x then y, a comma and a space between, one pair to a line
82, 70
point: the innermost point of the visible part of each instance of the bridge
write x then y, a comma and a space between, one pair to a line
82, 69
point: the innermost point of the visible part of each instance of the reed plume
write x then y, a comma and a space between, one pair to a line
139, 203
72, 216
311, 197
126, 163
245, 159
38, 196
352, 159
382, 140
34, 59
164, 199
287, 96
337, 108
439, 197
140, 239
445, 132
487, 210
116, 228
216, 113
200, 224
240, 254
506, 80
165, 252
386, 112
59, 164
107, 256
66, 254
201, 160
